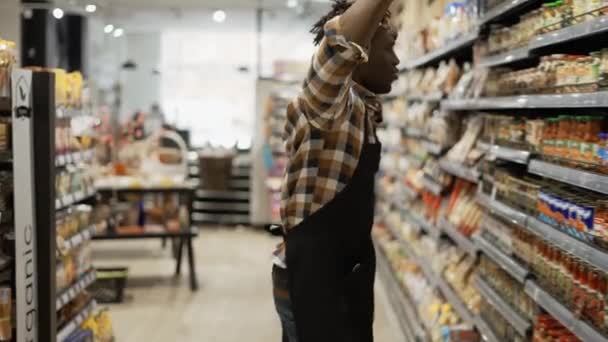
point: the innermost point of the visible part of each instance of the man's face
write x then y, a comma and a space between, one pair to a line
379, 73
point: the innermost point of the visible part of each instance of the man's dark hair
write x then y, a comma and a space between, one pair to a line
338, 7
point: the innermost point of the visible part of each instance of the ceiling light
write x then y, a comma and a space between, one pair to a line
292, 3
118, 32
28, 13
58, 13
108, 29
91, 8
219, 16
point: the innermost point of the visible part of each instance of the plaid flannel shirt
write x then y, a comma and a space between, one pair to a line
324, 130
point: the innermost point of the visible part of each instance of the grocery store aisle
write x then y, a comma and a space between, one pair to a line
234, 303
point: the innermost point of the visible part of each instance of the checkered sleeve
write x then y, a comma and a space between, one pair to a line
326, 89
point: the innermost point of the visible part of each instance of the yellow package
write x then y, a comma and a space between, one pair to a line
75, 86
61, 87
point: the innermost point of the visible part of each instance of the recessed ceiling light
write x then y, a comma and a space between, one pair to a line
219, 16
292, 3
91, 8
118, 32
58, 13
28, 13
108, 29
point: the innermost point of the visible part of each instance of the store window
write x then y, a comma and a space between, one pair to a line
209, 83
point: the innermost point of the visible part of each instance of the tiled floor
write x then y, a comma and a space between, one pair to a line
234, 302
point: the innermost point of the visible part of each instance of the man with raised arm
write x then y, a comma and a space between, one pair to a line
323, 274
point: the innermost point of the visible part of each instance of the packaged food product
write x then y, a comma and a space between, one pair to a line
7, 60
6, 326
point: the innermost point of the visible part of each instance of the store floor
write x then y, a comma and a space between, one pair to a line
233, 304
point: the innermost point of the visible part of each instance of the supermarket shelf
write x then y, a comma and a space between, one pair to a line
504, 58
506, 212
517, 271
76, 289
61, 112
584, 251
506, 153
414, 132
578, 248
578, 31
73, 324
175, 188
220, 218
220, 206
504, 9
71, 199
456, 302
236, 172
462, 241
224, 195
410, 193
402, 305
576, 100
433, 148
486, 332
421, 222
74, 157
450, 48
460, 171
193, 232
79, 238
432, 186
583, 179
521, 324
436, 280
432, 97
579, 328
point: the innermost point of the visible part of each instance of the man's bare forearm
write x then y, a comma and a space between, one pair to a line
360, 22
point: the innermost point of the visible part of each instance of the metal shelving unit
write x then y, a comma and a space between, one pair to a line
431, 98
487, 334
578, 327
505, 9
432, 186
506, 153
505, 58
570, 33
77, 288
79, 238
462, 241
230, 206
75, 322
74, 198
401, 303
433, 148
460, 171
506, 262
74, 157
588, 253
575, 100
521, 324
580, 178
437, 281
423, 224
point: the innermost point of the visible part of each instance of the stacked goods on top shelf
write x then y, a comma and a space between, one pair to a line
457, 22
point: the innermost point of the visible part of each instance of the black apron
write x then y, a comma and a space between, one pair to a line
331, 263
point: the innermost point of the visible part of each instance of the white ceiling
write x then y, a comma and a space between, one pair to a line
112, 6
201, 4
